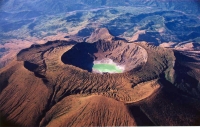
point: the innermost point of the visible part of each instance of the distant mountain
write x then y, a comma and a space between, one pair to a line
54, 6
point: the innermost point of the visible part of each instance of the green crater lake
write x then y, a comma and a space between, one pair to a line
110, 68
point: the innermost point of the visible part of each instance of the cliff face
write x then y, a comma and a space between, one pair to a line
47, 86
128, 55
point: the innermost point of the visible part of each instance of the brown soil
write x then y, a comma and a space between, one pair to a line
40, 89
83, 55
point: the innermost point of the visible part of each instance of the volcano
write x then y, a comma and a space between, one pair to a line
83, 55
53, 84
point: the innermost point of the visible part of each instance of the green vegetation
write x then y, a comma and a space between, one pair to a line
120, 21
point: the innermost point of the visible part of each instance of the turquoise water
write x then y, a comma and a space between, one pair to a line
110, 68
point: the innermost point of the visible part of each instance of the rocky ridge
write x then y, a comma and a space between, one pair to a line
38, 84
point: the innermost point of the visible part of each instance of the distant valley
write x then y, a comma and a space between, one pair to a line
99, 63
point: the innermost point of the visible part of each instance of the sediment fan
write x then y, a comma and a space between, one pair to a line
52, 85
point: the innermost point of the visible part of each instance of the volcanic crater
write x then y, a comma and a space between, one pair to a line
128, 56
52, 83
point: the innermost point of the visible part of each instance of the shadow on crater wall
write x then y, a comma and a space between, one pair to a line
81, 55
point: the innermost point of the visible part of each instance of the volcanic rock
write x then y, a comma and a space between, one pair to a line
47, 86
100, 34
83, 55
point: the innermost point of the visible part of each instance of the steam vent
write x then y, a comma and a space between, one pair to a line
108, 56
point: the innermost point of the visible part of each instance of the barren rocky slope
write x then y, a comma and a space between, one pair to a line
42, 87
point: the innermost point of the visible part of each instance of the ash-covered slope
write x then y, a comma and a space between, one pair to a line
51, 92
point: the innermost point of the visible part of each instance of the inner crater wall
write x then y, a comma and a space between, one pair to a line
125, 54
